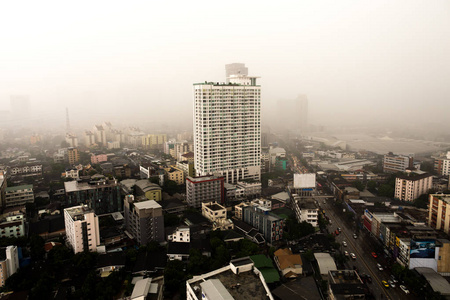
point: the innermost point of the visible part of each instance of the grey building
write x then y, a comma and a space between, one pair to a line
204, 189
144, 220
268, 224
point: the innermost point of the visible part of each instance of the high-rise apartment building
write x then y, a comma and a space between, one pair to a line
82, 230
144, 220
235, 69
227, 129
442, 164
411, 186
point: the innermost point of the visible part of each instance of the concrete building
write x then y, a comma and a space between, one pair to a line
9, 263
442, 164
154, 141
19, 195
305, 210
175, 174
268, 224
82, 230
204, 189
101, 194
181, 235
73, 155
411, 186
346, 284
239, 280
227, 129
438, 215
289, 264
144, 220
150, 190
235, 69
72, 140
276, 153
186, 167
100, 135
2, 189
217, 214
397, 163
12, 225
89, 138
98, 158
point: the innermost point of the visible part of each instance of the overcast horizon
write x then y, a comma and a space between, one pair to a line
357, 62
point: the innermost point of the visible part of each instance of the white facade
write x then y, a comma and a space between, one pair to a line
82, 228
302, 181
227, 129
181, 235
409, 189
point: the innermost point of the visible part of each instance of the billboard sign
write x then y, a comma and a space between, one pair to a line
422, 249
304, 181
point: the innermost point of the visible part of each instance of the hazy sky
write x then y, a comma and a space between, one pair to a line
353, 59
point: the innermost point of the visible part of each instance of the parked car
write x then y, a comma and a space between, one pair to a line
404, 289
353, 255
355, 236
346, 253
374, 255
339, 229
384, 282
391, 283
379, 267
394, 279
368, 278
344, 243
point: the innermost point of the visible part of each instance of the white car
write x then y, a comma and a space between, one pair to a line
404, 289
355, 236
344, 243
379, 267
353, 255
346, 253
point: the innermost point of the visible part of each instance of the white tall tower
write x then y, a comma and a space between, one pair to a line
227, 129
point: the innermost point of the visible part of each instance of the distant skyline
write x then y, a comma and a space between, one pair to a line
377, 63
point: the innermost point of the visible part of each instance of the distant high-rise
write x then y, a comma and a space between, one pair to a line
235, 69
301, 108
293, 114
227, 129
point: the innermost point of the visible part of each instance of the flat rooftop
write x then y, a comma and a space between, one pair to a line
215, 206
244, 286
77, 212
147, 204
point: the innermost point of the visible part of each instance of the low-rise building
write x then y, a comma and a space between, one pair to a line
217, 214
239, 280
73, 155
175, 174
289, 264
181, 234
82, 230
19, 195
305, 210
397, 163
346, 284
12, 225
150, 190
268, 224
98, 158
438, 214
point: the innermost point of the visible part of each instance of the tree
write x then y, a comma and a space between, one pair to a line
372, 186
359, 185
37, 247
386, 190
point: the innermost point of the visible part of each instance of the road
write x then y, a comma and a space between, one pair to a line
364, 262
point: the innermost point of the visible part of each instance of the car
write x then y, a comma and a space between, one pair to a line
346, 253
379, 267
336, 232
339, 229
404, 289
353, 255
374, 255
355, 236
368, 278
344, 243
394, 279
384, 282
391, 283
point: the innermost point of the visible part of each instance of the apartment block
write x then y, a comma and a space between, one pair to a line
82, 230
101, 194
175, 174
204, 189
19, 195
305, 210
12, 225
397, 163
411, 186
144, 220
442, 165
268, 224
9, 263
73, 155
438, 215
227, 129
